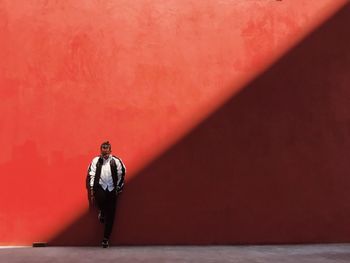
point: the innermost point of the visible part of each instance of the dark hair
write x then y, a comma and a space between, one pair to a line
105, 145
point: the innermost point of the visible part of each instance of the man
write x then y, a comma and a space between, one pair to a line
106, 180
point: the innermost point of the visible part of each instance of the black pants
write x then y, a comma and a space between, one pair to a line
106, 202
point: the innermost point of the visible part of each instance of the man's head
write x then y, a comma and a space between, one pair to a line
106, 149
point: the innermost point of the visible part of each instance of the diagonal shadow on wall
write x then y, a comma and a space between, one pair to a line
269, 166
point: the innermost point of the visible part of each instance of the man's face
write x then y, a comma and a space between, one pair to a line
105, 151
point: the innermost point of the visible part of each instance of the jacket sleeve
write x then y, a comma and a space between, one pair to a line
121, 171
92, 171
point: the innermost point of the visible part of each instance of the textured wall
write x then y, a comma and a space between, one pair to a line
160, 80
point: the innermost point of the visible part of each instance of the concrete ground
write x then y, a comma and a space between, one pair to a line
202, 254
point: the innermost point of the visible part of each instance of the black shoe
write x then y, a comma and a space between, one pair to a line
101, 217
105, 243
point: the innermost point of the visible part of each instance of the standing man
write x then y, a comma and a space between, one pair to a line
106, 173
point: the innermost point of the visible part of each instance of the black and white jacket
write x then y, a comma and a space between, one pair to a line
113, 173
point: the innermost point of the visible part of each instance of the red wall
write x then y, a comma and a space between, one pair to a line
206, 164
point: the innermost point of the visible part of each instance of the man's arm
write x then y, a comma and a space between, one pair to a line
92, 173
121, 171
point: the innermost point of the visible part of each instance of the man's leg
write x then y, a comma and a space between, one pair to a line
101, 200
110, 213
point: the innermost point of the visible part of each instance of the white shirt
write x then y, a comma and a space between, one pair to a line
106, 180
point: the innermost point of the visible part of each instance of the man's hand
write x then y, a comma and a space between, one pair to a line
118, 191
92, 196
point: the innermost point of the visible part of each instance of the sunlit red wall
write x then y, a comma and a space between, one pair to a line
231, 116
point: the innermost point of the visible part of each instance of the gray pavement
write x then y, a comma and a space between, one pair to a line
204, 254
